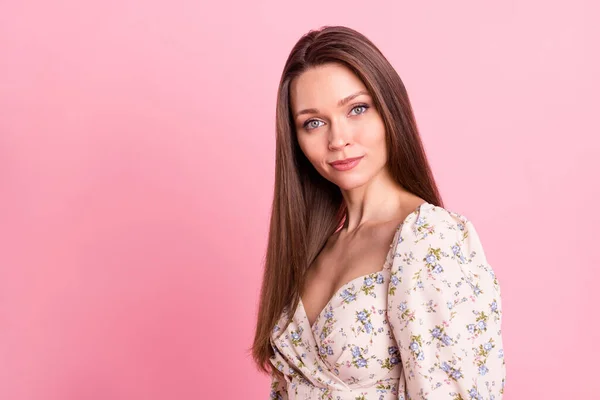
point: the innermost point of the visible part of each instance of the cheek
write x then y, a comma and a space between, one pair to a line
379, 134
372, 135
309, 149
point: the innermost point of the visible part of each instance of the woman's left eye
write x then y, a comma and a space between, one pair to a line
362, 106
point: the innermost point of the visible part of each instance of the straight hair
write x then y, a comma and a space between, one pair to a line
307, 208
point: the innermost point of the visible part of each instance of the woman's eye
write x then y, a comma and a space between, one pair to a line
362, 106
314, 123
311, 124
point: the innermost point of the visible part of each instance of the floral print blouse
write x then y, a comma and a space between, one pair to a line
426, 326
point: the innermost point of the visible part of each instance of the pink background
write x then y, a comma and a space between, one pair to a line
136, 173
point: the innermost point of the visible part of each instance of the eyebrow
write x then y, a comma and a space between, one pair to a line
341, 103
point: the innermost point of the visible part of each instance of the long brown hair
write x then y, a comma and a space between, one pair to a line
306, 207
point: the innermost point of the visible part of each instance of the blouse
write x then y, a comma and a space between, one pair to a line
426, 326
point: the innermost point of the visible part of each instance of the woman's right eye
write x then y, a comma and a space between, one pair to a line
311, 124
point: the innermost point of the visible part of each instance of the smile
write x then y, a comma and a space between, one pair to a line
347, 164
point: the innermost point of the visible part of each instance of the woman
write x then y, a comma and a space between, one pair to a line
371, 289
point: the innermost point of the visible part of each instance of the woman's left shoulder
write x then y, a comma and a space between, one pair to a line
433, 222
444, 238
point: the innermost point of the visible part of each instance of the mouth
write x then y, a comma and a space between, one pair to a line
346, 164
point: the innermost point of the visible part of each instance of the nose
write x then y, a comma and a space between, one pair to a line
339, 136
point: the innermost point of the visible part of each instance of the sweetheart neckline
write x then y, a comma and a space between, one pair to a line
318, 317
336, 293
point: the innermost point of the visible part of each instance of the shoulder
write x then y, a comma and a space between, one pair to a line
434, 237
434, 223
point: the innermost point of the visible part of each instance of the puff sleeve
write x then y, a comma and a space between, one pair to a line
444, 310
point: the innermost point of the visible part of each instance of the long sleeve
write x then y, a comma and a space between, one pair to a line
445, 312
279, 385
278, 388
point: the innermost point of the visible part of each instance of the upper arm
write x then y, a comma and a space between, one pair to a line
444, 309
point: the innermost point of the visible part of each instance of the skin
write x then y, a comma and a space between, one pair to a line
327, 131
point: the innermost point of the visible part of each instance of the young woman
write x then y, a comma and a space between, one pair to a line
371, 289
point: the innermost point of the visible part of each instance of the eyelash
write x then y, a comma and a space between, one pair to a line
305, 125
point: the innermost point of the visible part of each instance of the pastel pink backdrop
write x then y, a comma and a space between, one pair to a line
136, 173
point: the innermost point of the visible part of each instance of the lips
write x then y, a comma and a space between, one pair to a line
346, 164
345, 161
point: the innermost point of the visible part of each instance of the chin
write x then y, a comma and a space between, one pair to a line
350, 183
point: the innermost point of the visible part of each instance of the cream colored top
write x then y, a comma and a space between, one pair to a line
426, 326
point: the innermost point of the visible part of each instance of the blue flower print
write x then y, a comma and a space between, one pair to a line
357, 359
361, 316
455, 250
445, 367
494, 306
348, 296
456, 374
447, 340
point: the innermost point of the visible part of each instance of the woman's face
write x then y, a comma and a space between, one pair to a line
335, 119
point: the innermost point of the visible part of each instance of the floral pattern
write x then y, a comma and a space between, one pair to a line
426, 326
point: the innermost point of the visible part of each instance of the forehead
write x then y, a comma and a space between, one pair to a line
323, 86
